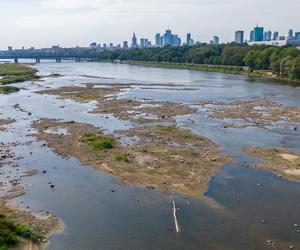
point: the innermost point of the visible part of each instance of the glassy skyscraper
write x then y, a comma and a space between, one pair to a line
239, 37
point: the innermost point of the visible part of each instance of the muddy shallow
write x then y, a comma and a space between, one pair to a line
251, 206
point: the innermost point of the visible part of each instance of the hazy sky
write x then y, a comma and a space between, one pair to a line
42, 23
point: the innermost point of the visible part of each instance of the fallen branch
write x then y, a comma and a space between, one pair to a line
175, 218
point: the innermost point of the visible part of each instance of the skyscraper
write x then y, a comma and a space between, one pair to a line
258, 34
239, 37
251, 36
125, 45
188, 39
134, 41
216, 40
158, 41
269, 35
275, 35
291, 34
168, 37
142, 43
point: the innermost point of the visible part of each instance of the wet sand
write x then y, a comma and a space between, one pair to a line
168, 158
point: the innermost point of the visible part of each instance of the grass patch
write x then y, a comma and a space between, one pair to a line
9, 69
69, 122
8, 89
10, 233
167, 128
14, 73
122, 157
98, 142
16, 79
86, 96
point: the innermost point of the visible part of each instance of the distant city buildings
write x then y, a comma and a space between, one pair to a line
261, 37
258, 35
239, 37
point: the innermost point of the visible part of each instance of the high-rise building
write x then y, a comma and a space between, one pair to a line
134, 41
269, 36
258, 34
251, 36
188, 39
158, 41
297, 35
168, 37
142, 43
239, 37
291, 34
125, 45
275, 35
216, 40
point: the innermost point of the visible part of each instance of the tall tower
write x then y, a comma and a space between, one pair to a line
188, 39
134, 41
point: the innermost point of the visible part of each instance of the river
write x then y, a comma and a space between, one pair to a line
96, 218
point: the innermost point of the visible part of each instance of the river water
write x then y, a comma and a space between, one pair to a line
137, 218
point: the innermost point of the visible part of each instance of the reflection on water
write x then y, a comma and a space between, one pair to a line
137, 218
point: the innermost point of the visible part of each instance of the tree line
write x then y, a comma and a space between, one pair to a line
282, 61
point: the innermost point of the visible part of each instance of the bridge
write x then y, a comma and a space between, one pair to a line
58, 56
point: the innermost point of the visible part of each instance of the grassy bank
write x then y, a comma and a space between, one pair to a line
10, 233
215, 68
14, 73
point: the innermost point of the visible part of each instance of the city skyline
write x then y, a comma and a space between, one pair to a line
70, 23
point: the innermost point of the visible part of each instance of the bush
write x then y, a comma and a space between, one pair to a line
98, 142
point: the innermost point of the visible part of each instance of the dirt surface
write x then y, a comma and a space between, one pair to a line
4, 122
278, 160
259, 113
108, 102
168, 158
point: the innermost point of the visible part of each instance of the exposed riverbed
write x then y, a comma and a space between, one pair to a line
244, 207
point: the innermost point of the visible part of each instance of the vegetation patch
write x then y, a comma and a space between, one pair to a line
86, 96
10, 233
97, 141
9, 69
8, 89
15, 73
122, 157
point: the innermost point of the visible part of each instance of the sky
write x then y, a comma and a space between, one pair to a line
43, 23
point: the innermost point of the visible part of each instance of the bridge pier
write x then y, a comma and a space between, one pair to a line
16, 60
37, 60
58, 60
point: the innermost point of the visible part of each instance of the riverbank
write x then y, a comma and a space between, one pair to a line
216, 68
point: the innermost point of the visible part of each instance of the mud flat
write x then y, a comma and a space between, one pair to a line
31, 230
4, 122
259, 113
168, 158
279, 160
108, 102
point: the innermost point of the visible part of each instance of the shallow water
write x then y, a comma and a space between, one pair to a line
138, 218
